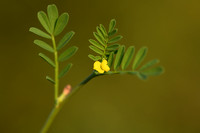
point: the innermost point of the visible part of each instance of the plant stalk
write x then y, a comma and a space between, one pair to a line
56, 85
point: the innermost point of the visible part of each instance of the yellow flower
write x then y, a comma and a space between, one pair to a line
101, 67
97, 66
104, 66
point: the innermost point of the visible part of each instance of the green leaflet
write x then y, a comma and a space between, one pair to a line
149, 64
61, 23
65, 70
153, 71
94, 58
112, 25
44, 21
115, 39
44, 45
65, 39
139, 57
128, 57
50, 79
68, 53
52, 12
39, 32
103, 29
110, 59
119, 57
95, 43
99, 38
47, 59
112, 47
95, 49
141, 76
100, 33
112, 33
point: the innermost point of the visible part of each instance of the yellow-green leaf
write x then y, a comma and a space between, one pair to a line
127, 57
139, 57
119, 56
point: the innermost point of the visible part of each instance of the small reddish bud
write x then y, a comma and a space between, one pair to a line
67, 90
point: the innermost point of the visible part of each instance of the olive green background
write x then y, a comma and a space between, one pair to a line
169, 103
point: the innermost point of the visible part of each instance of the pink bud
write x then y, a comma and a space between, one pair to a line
67, 89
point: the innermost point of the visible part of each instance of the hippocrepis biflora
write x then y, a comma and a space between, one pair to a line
111, 58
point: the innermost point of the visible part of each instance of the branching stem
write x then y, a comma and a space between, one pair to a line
58, 106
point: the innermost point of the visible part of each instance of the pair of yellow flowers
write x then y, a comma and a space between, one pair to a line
101, 67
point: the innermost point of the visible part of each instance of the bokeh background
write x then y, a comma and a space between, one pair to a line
169, 103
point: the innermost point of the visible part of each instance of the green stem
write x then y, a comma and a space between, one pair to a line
56, 85
58, 106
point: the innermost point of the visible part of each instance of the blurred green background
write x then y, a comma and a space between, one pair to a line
169, 103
